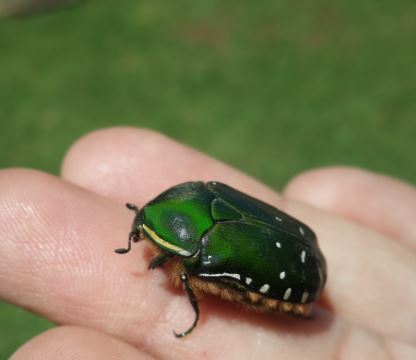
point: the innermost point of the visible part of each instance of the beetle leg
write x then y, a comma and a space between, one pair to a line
194, 303
125, 251
159, 261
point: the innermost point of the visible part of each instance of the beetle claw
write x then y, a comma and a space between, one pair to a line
122, 251
182, 334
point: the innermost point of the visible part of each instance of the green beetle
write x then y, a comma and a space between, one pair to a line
224, 242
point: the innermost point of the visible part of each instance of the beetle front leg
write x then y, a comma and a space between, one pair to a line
159, 261
194, 303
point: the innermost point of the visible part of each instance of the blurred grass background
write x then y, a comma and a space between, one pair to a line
271, 87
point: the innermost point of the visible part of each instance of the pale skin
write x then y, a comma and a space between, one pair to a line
59, 234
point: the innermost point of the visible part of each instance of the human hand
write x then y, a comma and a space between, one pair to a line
59, 234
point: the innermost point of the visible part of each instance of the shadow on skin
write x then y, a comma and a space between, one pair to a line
319, 322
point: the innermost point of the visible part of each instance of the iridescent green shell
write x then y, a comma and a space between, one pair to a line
227, 237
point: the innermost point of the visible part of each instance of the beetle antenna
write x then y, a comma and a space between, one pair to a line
133, 207
125, 251
194, 303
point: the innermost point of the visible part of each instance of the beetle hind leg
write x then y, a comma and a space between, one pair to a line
194, 303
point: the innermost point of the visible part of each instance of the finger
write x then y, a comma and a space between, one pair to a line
57, 260
370, 277
135, 164
71, 342
377, 201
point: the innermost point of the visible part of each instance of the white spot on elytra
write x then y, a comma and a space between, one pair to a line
302, 256
305, 296
225, 274
264, 288
302, 231
282, 275
248, 280
278, 218
278, 244
287, 294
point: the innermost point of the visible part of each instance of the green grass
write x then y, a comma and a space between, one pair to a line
273, 88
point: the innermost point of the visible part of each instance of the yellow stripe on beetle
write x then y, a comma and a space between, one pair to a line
163, 243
